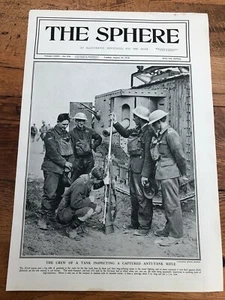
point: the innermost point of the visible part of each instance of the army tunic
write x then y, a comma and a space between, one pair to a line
172, 161
139, 165
76, 202
169, 167
83, 164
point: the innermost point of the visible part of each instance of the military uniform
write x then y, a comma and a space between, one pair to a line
43, 130
82, 148
76, 205
33, 132
171, 164
140, 164
58, 152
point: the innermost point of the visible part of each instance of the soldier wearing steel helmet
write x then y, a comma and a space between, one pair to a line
166, 149
140, 169
84, 140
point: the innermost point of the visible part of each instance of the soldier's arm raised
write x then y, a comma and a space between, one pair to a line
122, 131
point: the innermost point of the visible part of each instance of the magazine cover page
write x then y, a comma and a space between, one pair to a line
116, 185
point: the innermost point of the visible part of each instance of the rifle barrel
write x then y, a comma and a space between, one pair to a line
88, 108
108, 221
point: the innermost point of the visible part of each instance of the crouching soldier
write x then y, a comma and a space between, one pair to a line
56, 163
77, 203
84, 140
140, 169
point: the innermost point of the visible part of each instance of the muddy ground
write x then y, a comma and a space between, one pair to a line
96, 243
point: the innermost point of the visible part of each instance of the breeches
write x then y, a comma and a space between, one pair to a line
53, 190
141, 207
83, 212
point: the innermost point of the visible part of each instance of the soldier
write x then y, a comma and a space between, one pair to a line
33, 132
84, 140
166, 150
56, 161
43, 130
77, 204
140, 169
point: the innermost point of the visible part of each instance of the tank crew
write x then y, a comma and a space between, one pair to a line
84, 140
140, 169
56, 162
166, 149
77, 204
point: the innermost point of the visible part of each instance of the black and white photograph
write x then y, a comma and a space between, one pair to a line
116, 180
111, 164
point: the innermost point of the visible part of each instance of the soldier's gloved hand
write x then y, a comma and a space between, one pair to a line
144, 180
68, 165
183, 180
98, 209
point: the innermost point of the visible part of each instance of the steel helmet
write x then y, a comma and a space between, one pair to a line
157, 115
150, 189
141, 112
80, 116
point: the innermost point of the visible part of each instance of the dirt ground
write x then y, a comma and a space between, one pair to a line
95, 243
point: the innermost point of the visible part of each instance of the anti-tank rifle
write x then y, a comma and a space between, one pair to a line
109, 192
97, 114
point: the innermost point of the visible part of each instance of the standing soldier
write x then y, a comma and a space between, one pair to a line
84, 140
43, 130
33, 132
77, 204
56, 163
140, 169
166, 150
49, 126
